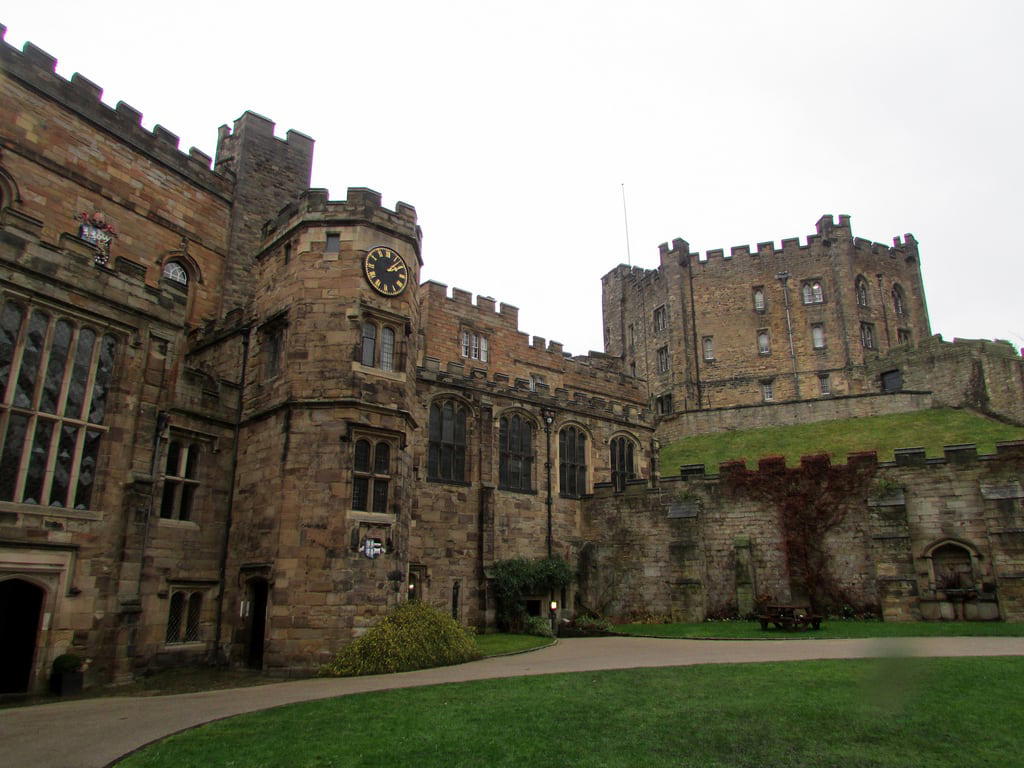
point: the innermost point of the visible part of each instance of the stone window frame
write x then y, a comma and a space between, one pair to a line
904, 336
660, 318
384, 350
929, 553
663, 361
623, 450
332, 242
812, 291
631, 336
663, 404
573, 460
180, 484
760, 299
474, 345
818, 339
508, 453
57, 374
867, 335
707, 344
375, 476
271, 337
184, 616
764, 342
862, 291
825, 384
456, 445
767, 387
175, 271
899, 301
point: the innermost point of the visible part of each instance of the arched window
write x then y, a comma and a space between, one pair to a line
174, 271
516, 454
759, 299
899, 302
446, 456
813, 292
371, 476
623, 462
572, 461
861, 286
952, 566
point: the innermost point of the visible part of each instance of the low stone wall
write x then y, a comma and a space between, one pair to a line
688, 423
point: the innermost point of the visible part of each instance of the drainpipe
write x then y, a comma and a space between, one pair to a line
885, 313
549, 417
222, 569
783, 277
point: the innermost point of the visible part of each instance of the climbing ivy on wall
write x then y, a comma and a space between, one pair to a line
811, 500
514, 579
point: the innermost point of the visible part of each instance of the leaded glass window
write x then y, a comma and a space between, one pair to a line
446, 453
572, 461
515, 453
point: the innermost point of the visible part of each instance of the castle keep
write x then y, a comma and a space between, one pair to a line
235, 425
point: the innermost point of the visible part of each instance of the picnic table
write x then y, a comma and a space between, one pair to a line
789, 617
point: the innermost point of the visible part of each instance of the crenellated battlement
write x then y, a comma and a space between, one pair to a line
961, 454
361, 206
461, 302
458, 374
828, 232
36, 69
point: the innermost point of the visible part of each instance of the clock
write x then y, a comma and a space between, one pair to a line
386, 271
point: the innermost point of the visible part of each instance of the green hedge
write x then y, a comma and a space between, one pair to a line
413, 636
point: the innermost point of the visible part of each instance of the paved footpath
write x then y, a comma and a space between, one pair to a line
92, 733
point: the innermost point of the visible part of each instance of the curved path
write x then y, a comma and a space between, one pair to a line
92, 733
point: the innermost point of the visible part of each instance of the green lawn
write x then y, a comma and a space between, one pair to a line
929, 429
499, 643
866, 713
833, 628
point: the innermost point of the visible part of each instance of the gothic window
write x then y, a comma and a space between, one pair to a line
812, 292
183, 616
446, 453
708, 344
899, 301
824, 384
660, 319
767, 391
572, 461
903, 335
818, 336
181, 479
474, 346
759, 303
764, 345
861, 287
55, 376
623, 462
371, 476
175, 272
867, 335
663, 360
515, 454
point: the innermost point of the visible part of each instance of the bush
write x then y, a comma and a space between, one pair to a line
412, 636
538, 625
65, 663
517, 577
592, 624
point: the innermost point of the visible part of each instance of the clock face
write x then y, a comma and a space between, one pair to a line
386, 271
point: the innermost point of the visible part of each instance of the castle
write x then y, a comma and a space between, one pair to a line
236, 426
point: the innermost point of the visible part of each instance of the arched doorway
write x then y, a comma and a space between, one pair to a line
21, 605
258, 591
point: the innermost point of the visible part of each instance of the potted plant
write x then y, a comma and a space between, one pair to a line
66, 674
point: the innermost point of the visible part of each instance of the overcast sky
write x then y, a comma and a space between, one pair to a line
512, 126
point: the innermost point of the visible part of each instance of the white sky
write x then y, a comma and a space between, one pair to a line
510, 127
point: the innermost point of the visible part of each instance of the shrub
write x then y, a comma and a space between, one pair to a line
517, 577
538, 625
65, 663
412, 636
592, 624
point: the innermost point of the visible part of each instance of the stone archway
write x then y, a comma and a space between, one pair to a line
21, 606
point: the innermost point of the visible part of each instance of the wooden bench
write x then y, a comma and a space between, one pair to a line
789, 618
